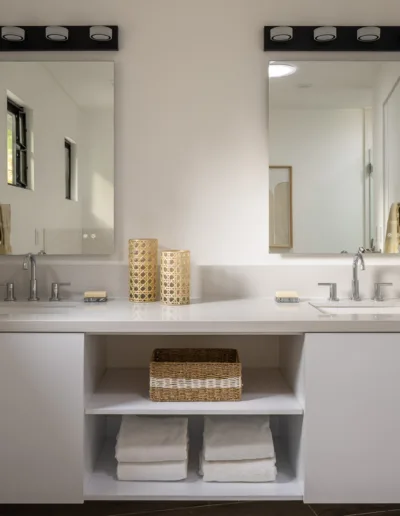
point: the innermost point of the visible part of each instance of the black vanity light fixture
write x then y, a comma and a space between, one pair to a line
59, 38
333, 39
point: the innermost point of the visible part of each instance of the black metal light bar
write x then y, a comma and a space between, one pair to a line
343, 39
79, 38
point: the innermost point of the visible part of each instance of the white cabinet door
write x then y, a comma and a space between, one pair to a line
352, 418
41, 418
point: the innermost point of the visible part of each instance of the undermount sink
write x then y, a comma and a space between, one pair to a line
358, 308
35, 308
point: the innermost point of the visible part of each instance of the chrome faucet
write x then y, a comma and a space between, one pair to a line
29, 259
355, 285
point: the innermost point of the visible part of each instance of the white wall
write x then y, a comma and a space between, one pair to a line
52, 117
325, 147
191, 137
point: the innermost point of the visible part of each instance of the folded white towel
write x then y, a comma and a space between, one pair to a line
152, 439
237, 438
259, 470
152, 471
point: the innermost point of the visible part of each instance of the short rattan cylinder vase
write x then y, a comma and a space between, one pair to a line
175, 277
143, 270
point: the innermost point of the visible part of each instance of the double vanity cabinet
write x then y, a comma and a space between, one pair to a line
333, 399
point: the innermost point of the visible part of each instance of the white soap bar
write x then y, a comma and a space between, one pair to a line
287, 296
95, 293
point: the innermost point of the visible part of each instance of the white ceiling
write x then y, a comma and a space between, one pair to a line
322, 84
90, 85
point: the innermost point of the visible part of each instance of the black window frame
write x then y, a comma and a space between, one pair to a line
68, 169
21, 145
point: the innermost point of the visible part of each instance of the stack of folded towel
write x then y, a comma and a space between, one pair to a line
152, 448
237, 449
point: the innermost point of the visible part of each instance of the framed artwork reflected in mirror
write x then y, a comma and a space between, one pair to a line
280, 207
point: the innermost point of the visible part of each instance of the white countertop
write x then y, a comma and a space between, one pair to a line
242, 316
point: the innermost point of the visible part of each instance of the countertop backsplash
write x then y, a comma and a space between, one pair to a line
210, 282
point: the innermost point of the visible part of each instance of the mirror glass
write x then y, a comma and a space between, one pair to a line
57, 150
334, 156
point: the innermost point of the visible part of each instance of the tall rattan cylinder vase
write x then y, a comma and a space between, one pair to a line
143, 270
175, 277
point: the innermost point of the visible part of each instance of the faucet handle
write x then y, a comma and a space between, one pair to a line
332, 290
27, 259
378, 296
10, 292
55, 291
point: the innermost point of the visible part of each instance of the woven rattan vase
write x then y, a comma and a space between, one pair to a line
143, 270
175, 277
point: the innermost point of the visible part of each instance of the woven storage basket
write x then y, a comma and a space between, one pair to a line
195, 375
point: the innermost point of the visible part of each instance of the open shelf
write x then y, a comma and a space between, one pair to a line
102, 484
126, 391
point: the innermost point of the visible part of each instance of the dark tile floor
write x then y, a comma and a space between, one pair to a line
198, 509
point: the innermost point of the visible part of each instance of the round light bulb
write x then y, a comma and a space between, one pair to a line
281, 34
369, 34
325, 34
13, 33
57, 33
101, 33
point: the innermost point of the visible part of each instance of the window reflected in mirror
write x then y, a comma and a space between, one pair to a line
70, 171
17, 162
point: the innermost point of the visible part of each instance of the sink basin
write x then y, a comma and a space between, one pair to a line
4, 312
35, 308
372, 308
37, 305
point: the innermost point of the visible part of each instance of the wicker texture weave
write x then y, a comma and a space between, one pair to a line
175, 277
143, 270
195, 375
